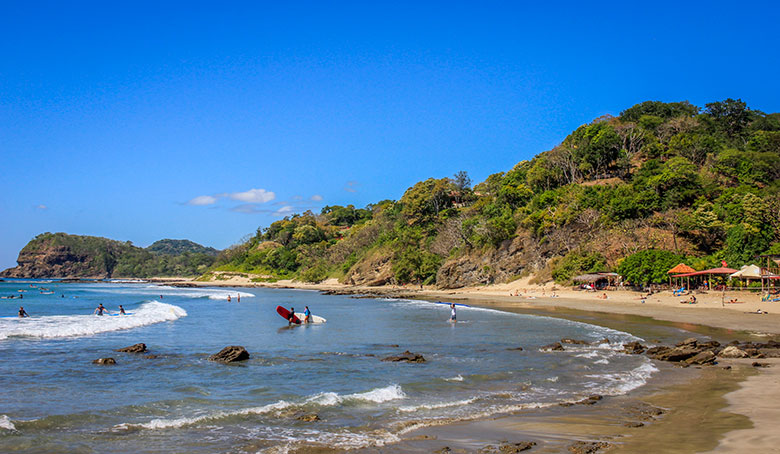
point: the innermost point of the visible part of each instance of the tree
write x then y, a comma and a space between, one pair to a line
462, 180
648, 266
730, 116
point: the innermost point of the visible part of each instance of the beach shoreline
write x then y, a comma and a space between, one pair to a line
717, 418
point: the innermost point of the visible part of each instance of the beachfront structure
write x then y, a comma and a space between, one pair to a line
681, 269
607, 281
721, 272
770, 270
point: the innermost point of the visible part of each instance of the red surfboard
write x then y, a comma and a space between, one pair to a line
286, 315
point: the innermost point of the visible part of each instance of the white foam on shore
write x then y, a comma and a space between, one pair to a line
6, 424
455, 378
86, 325
623, 382
457, 403
377, 395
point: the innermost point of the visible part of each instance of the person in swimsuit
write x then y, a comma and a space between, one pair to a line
453, 318
122, 310
307, 315
100, 309
23, 313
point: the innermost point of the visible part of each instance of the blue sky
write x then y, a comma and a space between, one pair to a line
150, 120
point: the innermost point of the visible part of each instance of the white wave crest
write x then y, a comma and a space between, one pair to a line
326, 399
457, 403
165, 290
87, 325
623, 382
455, 378
5, 423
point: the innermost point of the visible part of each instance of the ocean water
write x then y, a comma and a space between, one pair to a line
55, 400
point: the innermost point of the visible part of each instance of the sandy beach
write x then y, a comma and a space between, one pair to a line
721, 409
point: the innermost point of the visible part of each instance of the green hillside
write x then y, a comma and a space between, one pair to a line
178, 247
684, 182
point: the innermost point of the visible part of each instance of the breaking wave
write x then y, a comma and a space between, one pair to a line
86, 325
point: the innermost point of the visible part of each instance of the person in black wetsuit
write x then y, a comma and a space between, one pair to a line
100, 309
122, 310
23, 313
291, 317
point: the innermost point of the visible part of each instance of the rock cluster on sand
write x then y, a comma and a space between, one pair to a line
691, 351
137, 348
406, 356
230, 354
588, 447
105, 361
507, 448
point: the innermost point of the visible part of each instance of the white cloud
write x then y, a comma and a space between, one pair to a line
42, 207
283, 211
316, 198
253, 196
351, 186
203, 200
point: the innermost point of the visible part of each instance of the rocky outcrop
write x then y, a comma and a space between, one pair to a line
574, 341
733, 352
105, 361
499, 265
633, 348
406, 356
372, 272
137, 348
230, 354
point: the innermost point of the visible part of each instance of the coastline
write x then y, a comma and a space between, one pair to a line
720, 409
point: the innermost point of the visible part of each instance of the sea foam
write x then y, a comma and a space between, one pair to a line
86, 325
377, 395
6, 424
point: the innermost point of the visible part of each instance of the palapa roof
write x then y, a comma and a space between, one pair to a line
720, 270
681, 268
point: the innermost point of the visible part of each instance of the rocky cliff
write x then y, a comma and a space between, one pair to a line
60, 255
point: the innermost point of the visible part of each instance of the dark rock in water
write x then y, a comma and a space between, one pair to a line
137, 348
555, 347
726, 367
633, 348
588, 447
633, 424
757, 364
406, 356
507, 448
444, 450
516, 349
691, 342
574, 341
590, 400
603, 341
151, 356
105, 361
309, 417
705, 357
230, 354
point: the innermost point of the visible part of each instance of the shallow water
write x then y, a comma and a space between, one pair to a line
55, 399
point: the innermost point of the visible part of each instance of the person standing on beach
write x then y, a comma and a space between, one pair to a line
23, 313
453, 317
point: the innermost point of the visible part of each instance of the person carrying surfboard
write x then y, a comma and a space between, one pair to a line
307, 315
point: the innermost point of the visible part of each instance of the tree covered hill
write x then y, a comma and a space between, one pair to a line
178, 247
64, 255
680, 181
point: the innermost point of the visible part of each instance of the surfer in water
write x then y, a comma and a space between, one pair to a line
23, 313
100, 309
306, 315
122, 310
453, 318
